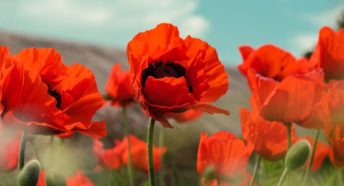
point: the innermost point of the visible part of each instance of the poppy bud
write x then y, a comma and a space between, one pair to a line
55, 179
297, 155
29, 175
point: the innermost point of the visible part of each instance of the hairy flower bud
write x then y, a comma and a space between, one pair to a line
297, 155
29, 175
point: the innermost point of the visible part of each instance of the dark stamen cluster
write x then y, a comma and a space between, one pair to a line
161, 69
56, 95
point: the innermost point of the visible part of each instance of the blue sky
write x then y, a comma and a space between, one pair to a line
226, 24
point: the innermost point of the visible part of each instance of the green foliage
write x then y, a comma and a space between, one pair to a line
269, 172
55, 179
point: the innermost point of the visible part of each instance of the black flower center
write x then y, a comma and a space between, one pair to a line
56, 95
161, 69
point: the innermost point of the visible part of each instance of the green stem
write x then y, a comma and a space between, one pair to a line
21, 156
285, 171
312, 156
127, 133
289, 134
175, 177
218, 181
289, 145
254, 176
340, 177
150, 151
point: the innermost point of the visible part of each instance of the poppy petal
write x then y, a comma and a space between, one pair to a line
168, 92
293, 99
215, 73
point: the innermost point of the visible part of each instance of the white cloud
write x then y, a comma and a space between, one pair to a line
65, 11
195, 25
327, 17
301, 43
119, 19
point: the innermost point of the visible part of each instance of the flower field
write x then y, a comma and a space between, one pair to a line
168, 112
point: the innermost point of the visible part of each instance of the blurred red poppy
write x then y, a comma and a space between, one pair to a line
283, 89
138, 153
171, 74
110, 158
329, 53
117, 156
79, 179
335, 138
225, 152
330, 110
69, 92
118, 87
243, 182
9, 149
268, 137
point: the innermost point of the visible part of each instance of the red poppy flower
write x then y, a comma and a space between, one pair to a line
24, 98
109, 158
117, 156
138, 153
293, 100
282, 88
228, 154
335, 137
72, 91
330, 110
268, 137
118, 87
9, 150
329, 53
171, 74
272, 62
79, 179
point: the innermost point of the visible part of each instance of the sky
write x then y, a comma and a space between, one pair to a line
225, 24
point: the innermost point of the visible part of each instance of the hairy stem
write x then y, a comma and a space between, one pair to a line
312, 156
150, 136
289, 135
254, 176
285, 171
21, 156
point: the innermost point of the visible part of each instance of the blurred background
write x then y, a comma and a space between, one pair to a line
95, 33
291, 24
